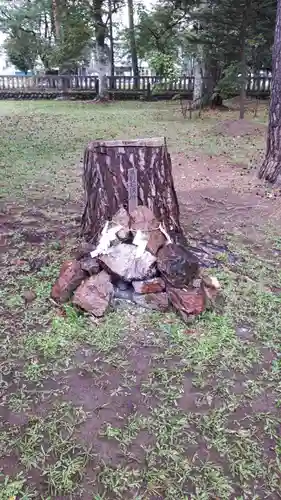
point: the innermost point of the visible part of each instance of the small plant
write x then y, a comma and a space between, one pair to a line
13, 488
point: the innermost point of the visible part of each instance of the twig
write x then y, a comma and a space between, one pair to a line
212, 200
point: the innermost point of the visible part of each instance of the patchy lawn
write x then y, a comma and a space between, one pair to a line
138, 406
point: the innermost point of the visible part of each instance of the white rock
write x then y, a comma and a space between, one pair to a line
123, 261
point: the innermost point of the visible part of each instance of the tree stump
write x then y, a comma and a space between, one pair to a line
128, 173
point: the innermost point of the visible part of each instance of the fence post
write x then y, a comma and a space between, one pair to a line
97, 86
148, 95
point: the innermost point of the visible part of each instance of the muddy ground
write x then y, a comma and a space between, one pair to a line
141, 405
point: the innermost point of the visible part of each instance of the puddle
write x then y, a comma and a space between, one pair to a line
211, 254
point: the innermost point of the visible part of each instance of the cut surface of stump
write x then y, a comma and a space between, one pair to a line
127, 174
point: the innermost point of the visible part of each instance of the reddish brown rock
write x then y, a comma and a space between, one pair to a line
153, 301
143, 219
122, 261
153, 285
177, 265
188, 302
122, 218
90, 265
156, 240
94, 294
71, 276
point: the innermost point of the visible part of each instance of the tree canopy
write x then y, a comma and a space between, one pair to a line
230, 36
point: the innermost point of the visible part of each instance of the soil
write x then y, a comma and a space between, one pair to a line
217, 194
240, 128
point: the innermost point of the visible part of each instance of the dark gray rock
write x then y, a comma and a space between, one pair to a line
90, 265
177, 265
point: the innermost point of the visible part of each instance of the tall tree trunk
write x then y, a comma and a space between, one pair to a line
111, 39
55, 10
271, 167
199, 71
243, 57
101, 53
133, 45
243, 64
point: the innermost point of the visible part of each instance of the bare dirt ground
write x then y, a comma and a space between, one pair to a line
139, 405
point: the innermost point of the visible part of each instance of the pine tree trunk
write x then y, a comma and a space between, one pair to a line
271, 167
111, 41
109, 165
101, 54
102, 66
198, 81
56, 19
133, 45
243, 65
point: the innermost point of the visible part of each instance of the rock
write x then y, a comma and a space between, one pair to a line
90, 265
153, 285
122, 261
154, 301
143, 219
177, 265
83, 250
211, 296
29, 296
188, 301
71, 276
94, 294
211, 288
211, 282
197, 283
122, 285
39, 262
123, 294
156, 240
122, 218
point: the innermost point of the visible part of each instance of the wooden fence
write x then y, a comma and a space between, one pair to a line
125, 85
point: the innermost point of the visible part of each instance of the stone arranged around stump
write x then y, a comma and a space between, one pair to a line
135, 260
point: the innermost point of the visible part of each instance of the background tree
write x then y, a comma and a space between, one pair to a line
271, 167
132, 38
22, 51
235, 35
60, 39
98, 11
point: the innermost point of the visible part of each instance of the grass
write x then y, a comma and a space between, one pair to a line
133, 406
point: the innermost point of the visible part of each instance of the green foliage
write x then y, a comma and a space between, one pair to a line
32, 36
75, 36
22, 50
157, 32
229, 84
163, 64
228, 28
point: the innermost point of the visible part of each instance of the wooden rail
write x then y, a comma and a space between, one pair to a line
118, 84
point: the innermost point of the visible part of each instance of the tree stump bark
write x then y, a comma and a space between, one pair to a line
128, 173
